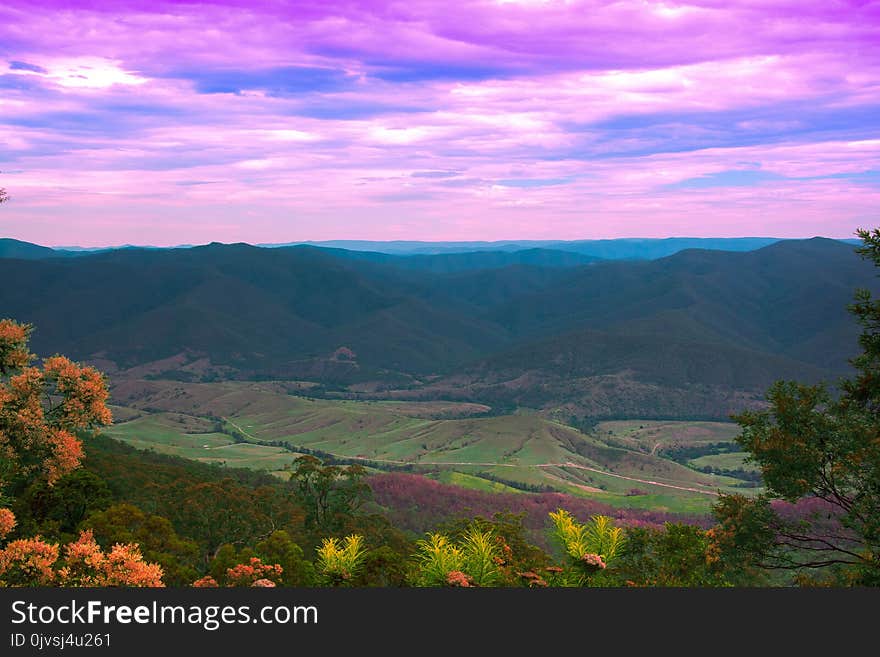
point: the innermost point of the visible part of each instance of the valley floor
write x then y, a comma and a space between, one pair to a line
676, 466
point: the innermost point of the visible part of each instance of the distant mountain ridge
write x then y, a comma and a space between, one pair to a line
608, 249
684, 334
447, 263
605, 249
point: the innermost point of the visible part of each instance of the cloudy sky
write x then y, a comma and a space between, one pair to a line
154, 122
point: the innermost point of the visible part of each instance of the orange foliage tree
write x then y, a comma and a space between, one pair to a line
41, 410
34, 562
85, 564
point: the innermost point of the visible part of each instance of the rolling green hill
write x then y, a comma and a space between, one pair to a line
261, 426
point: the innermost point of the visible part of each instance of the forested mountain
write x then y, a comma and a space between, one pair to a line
731, 320
446, 263
10, 248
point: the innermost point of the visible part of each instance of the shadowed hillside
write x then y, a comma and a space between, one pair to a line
10, 248
683, 335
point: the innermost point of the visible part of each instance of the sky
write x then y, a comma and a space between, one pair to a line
156, 122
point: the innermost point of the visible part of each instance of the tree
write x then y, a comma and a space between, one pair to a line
820, 461
41, 410
3, 195
329, 493
216, 513
159, 543
35, 562
85, 564
676, 555
59, 509
383, 567
280, 549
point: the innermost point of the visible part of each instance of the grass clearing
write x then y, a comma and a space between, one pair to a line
167, 434
471, 481
730, 461
651, 435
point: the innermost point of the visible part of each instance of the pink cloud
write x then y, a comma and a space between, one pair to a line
173, 123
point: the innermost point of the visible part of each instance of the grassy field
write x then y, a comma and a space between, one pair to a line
471, 481
176, 434
653, 435
731, 461
620, 462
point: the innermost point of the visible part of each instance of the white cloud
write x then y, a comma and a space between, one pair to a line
83, 72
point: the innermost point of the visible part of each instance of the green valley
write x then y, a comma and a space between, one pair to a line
263, 426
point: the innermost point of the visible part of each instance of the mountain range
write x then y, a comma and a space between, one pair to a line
696, 333
529, 251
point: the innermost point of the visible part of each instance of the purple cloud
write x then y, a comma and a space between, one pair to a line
421, 120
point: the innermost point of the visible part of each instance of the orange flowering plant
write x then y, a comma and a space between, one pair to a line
35, 562
41, 411
42, 408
